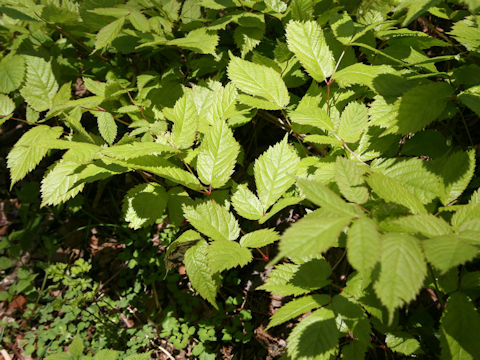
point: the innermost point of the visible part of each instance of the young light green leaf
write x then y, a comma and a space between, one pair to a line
25, 155
315, 337
108, 33
224, 101
40, 84
392, 190
136, 149
322, 196
199, 273
258, 80
139, 21
363, 245
402, 343
12, 71
403, 270
259, 238
279, 206
306, 41
447, 251
185, 121
199, 40
7, 106
213, 220
311, 115
459, 328
246, 204
361, 74
467, 32
144, 204
59, 183
471, 98
217, 156
274, 172
297, 307
106, 126
312, 236
176, 250
353, 122
177, 197
292, 279
223, 255
76, 347
349, 178
425, 224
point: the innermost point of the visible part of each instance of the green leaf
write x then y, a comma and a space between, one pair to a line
467, 32
447, 251
144, 204
76, 347
177, 197
7, 106
306, 41
403, 270
471, 98
40, 84
415, 8
301, 9
139, 21
213, 220
353, 122
247, 38
259, 238
402, 343
274, 172
322, 196
296, 308
106, 126
349, 179
25, 156
200, 275
95, 87
199, 40
392, 190
12, 70
185, 121
459, 329
224, 101
246, 204
311, 115
279, 206
58, 185
258, 80
426, 224
176, 250
223, 255
363, 245
106, 354
136, 149
312, 235
108, 33
315, 337
361, 74
291, 279
144, 356
217, 156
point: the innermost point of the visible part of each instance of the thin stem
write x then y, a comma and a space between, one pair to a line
345, 145
437, 290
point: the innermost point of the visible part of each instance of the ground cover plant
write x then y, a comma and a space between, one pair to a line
229, 179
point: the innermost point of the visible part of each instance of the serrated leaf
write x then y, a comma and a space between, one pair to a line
258, 80
12, 71
185, 121
144, 204
274, 172
199, 273
223, 255
301, 9
402, 343
177, 197
58, 185
403, 270
247, 38
7, 106
361, 74
259, 238
447, 251
108, 33
176, 250
176, 175
292, 279
217, 156
413, 115
349, 179
139, 21
312, 236
322, 196
467, 32
426, 224
76, 347
306, 41
25, 155
363, 245
40, 84
279, 206
199, 40
297, 307
106, 126
95, 87
392, 190
353, 122
213, 220
471, 98
246, 204
224, 101
315, 337
136, 149
459, 327
311, 115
